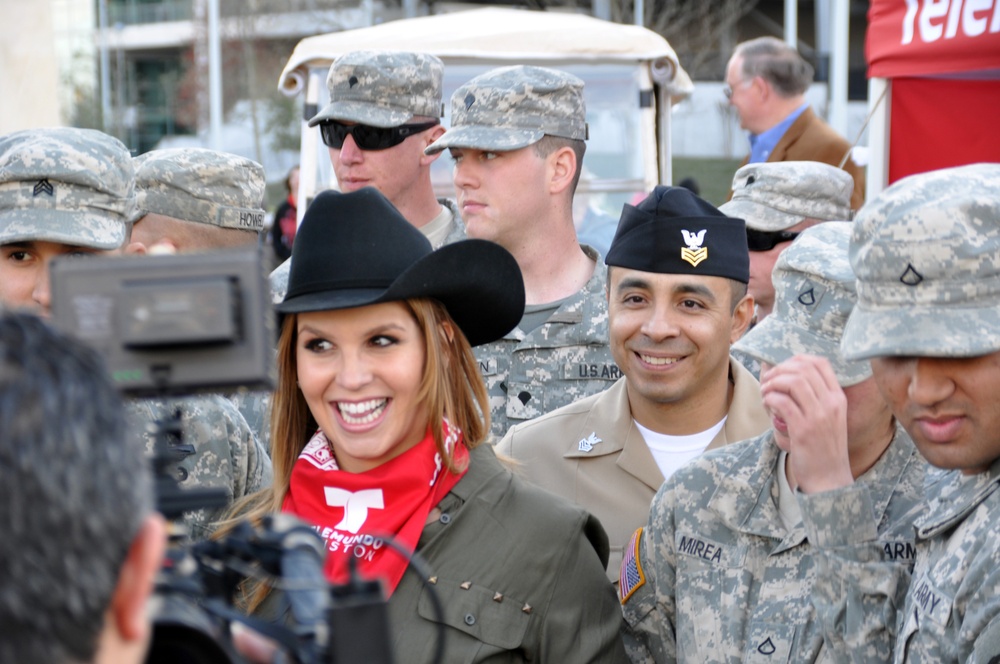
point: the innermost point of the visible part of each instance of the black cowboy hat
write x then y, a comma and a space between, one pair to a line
356, 249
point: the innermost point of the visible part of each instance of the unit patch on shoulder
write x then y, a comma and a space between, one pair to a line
632, 577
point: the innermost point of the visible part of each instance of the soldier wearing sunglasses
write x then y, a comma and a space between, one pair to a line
778, 200
385, 108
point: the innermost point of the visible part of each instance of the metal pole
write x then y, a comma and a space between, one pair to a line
792, 23
214, 77
665, 109
410, 8
640, 12
838, 65
878, 136
102, 19
119, 112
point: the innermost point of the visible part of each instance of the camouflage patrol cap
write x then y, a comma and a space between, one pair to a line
513, 107
65, 185
777, 195
926, 252
204, 186
814, 296
383, 89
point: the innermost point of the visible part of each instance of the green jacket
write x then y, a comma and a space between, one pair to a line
520, 575
544, 556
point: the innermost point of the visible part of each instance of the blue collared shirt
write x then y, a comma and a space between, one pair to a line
762, 144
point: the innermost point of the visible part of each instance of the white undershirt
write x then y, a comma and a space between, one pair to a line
436, 230
672, 452
788, 506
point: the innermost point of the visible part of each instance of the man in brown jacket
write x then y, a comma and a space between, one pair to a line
766, 82
677, 284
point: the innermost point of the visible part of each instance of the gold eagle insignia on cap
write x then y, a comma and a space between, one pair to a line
694, 253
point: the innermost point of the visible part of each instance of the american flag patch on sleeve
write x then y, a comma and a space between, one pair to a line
632, 577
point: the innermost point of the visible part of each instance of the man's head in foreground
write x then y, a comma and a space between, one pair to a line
81, 545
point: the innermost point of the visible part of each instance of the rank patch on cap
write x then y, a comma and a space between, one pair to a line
694, 253
632, 577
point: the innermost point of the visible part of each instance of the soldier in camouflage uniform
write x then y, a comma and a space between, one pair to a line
723, 572
62, 192
778, 200
926, 253
72, 191
192, 200
385, 108
611, 451
517, 138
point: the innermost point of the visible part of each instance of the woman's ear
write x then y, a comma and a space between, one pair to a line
447, 331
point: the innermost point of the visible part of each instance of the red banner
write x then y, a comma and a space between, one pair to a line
942, 123
932, 37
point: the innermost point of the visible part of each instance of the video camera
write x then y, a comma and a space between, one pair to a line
179, 325
171, 325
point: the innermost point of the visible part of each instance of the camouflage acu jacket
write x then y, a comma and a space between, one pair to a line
224, 453
565, 359
950, 604
716, 577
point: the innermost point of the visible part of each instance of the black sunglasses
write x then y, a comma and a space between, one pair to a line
767, 240
369, 138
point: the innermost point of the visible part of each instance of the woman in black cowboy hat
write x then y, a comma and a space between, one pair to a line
378, 424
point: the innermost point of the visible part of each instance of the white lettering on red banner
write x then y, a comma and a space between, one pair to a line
931, 20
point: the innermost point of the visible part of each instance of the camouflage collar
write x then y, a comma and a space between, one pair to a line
957, 496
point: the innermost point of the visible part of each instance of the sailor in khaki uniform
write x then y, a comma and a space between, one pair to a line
677, 276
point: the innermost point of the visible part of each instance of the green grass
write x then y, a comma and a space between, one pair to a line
714, 176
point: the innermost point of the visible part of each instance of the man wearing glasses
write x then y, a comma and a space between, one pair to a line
766, 82
385, 108
778, 200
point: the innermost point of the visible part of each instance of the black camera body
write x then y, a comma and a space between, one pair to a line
171, 325
184, 324
324, 624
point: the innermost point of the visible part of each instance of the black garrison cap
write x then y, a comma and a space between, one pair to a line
673, 231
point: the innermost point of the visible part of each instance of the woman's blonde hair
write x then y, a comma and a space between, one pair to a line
451, 387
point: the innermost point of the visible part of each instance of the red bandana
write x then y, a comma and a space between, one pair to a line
351, 511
